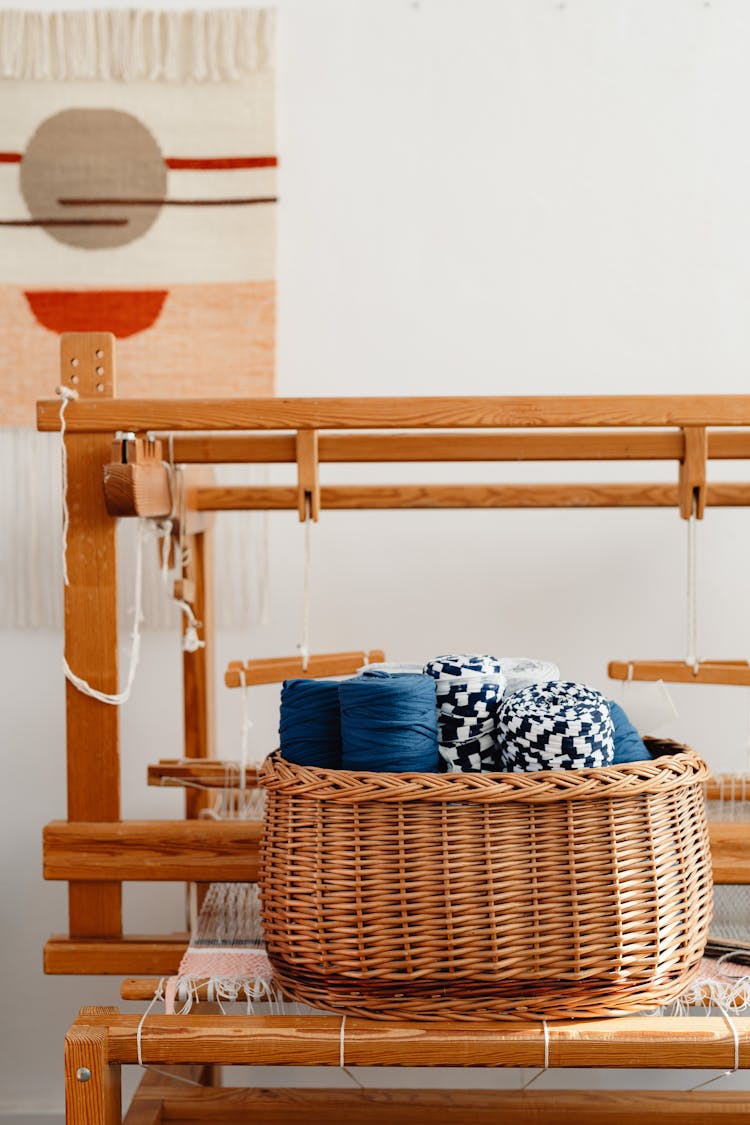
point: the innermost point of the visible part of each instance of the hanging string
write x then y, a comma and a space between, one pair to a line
117, 698
158, 995
342, 1053
541, 1071
725, 1073
67, 394
692, 596
244, 744
304, 647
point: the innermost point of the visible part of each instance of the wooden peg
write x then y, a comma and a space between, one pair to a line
308, 482
136, 481
693, 472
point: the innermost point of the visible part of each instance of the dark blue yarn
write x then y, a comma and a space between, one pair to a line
629, 746
389, 723
310, 723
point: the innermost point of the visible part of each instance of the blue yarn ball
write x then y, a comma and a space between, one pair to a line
629, 746
310, 723
389, 723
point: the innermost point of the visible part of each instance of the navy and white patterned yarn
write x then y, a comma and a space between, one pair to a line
555, 726
522, 671
469, 691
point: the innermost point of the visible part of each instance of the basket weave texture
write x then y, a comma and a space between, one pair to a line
487, 896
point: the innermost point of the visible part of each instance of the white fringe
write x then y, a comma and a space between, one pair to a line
31, 581
732, 993
216, 45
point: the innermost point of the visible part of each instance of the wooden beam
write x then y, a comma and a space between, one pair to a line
277, 669
87, 365
703, 1042
346, 497
399, 413
454, 1107
730, 851
158, 954
153, 850
728, 787
215, 774
735, 672
667, 445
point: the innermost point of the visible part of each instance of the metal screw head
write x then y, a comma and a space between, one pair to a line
83, 1074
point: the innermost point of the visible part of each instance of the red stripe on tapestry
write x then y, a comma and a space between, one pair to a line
219, 163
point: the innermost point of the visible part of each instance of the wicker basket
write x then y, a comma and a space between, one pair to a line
486, 896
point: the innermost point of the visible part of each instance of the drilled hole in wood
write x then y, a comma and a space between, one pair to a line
100, 387
99, 353
100, 370
74, 379
74, 363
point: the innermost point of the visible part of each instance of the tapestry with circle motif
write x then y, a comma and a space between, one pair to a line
137, 196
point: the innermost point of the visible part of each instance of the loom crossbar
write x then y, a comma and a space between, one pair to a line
100, 415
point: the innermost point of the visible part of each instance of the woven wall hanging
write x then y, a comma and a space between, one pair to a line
138, 196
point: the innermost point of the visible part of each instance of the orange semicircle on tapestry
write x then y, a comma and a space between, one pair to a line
121, 311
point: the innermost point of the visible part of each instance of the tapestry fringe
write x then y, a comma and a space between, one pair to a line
30, 558
136, 44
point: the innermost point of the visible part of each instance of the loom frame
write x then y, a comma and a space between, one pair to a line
95, 851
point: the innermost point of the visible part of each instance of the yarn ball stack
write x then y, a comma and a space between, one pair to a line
555, 726
469, 691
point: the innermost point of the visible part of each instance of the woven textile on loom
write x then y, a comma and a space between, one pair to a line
227, 951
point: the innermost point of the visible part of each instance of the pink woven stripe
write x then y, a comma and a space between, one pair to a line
225, 962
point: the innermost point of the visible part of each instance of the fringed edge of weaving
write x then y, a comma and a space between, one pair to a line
730, 993
181, 992
136, 44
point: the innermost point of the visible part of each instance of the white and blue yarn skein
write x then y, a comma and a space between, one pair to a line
555, 726
469, 691
523, 671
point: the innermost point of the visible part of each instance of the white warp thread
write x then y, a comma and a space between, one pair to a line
304, 647
692, 596
541, 1071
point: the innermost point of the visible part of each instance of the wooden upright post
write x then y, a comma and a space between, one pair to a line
93, 750
199, 667
92, 1083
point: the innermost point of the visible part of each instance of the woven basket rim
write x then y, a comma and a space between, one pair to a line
677, 767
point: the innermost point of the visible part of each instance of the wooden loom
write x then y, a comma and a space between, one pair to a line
95, 851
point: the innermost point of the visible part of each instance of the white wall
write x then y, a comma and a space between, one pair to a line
497, 197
